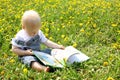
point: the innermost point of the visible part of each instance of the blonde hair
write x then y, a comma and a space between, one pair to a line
30, 15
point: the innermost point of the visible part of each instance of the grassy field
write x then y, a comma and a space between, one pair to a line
92, 26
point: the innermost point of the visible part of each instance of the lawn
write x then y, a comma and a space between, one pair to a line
91, 26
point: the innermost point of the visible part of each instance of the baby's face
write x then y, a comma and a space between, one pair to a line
32, 28
31, 22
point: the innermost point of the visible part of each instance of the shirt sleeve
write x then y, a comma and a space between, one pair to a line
15, 39
42, 37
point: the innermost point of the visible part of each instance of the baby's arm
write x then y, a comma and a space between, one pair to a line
53, 45
21, 52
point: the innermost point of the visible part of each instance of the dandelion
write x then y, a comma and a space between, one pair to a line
70, 17
61, 17
105, 64
69, 22
78, 13
118, 32
59, 42
47, 29
53, 22
111, 57
115, 45
53, 27
74, 44
58, 29
94, 25
63, 26
110, 78
51, 38
12, 61
1, 67
5, 55
114, 25
25, 70
82, 30
2, 72
62, 36
46, 34
66, 38
81, 24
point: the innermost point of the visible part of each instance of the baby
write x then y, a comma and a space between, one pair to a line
29, 38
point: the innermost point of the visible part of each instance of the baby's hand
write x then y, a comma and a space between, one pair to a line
61, 47
29, 51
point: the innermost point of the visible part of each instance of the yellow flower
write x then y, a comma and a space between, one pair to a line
78, 13
118, 31
25, 70
47, 29
82, 30
46, 34
1, 67
66, 38
2, 72
12, 61
53, 27
110, 78
5, 55
51, 38
105, 64
114, 25
59, 42
111, 57
81, 24
58, 29
115, 45
61, 17
74, 44
62, 36
63, 26
94, 25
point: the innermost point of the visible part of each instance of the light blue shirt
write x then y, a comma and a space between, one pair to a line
24, 41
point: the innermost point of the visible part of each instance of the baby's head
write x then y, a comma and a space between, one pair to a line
31, 22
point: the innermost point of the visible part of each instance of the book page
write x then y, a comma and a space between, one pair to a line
60, 54
72, 50
77, 56
70, 55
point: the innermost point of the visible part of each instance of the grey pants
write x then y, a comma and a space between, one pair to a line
27, 60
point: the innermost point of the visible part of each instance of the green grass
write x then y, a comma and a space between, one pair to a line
92, 26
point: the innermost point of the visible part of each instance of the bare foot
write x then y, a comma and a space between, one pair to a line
47, 69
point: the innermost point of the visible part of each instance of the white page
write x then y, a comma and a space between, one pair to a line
70, 54
77, 57
60, 54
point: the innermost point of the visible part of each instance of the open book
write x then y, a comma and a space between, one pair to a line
61, 58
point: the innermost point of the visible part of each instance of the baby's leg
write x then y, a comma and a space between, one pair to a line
32, 61
37, 66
